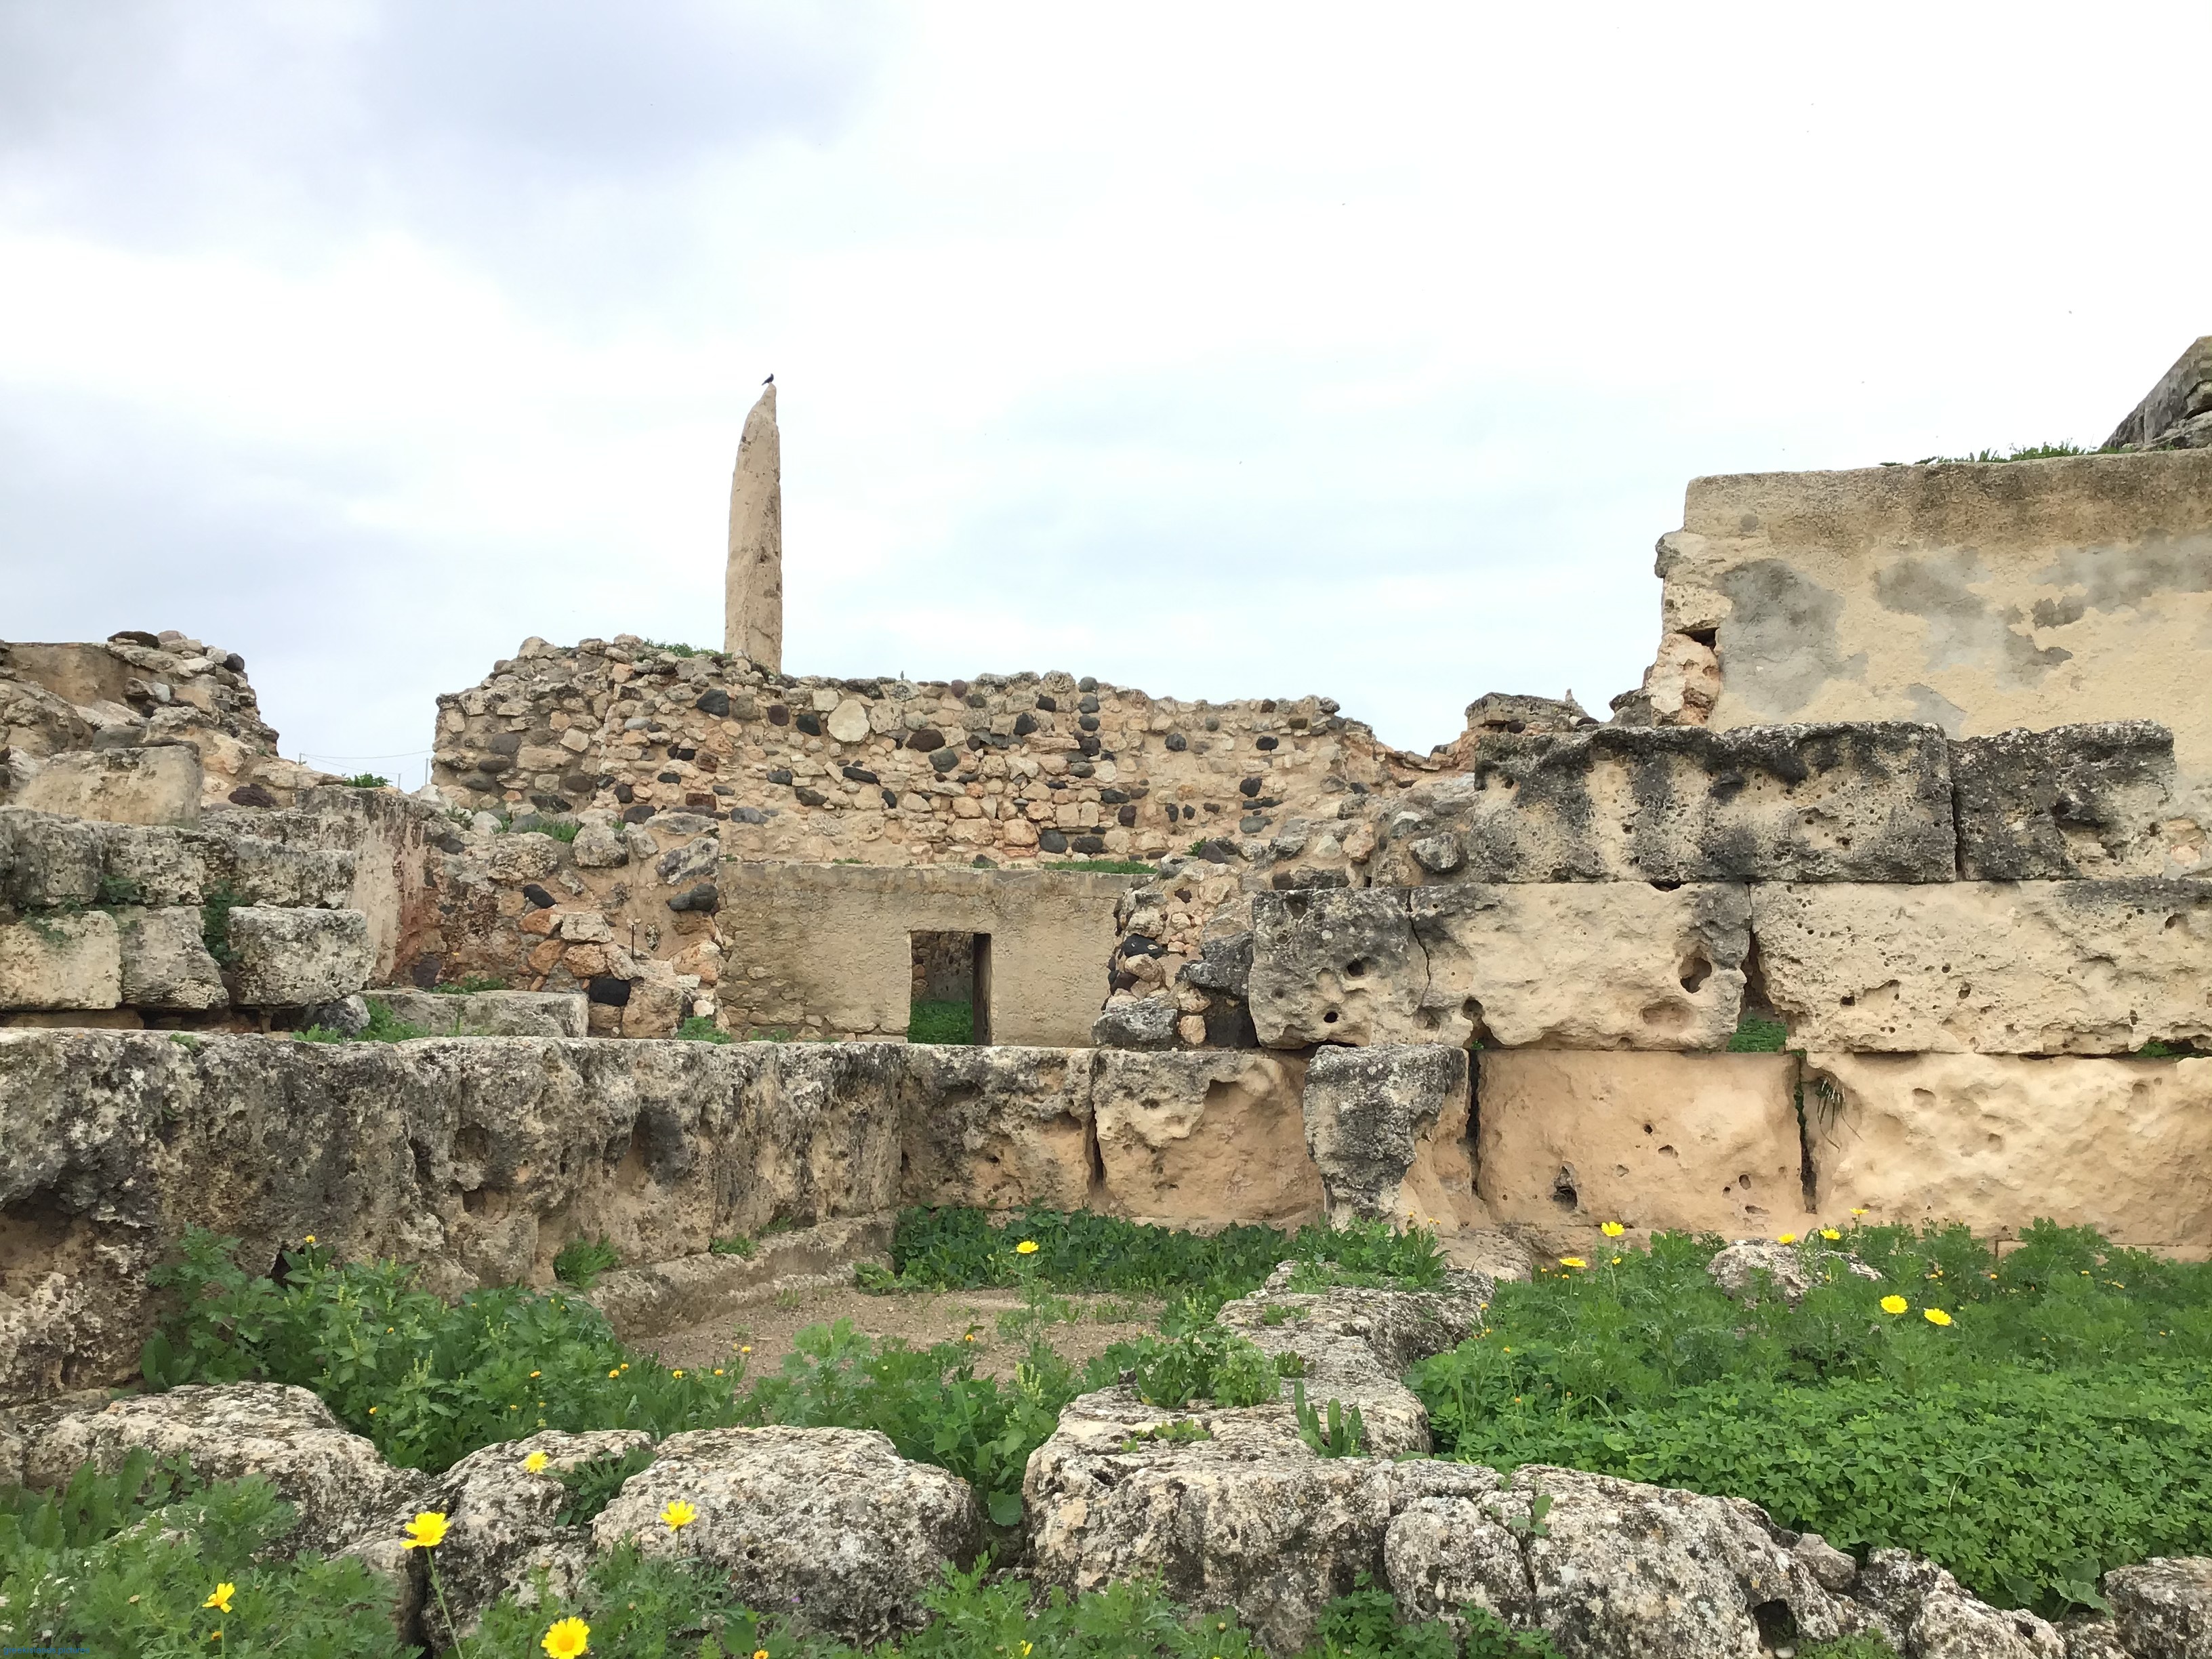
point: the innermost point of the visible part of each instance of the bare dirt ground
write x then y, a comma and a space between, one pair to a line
920, 1317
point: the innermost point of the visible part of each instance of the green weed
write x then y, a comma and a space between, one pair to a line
592, 1484
468, 984
1206, 1363
365, 781
1182, 1431
1344, 1434
700, 1028
216, 906
735, 1244
941, 1022
1759, 1036
1104, 866
581, 1260
672, 649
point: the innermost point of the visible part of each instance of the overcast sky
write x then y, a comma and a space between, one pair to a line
1220, 350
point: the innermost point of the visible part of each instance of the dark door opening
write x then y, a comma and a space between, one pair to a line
951, 1001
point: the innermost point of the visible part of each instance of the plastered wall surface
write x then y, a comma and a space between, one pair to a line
1975, 598
830, 945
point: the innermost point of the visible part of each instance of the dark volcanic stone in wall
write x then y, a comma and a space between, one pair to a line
2074, 801
1859, 801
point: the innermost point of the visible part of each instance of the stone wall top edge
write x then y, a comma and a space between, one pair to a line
937, 876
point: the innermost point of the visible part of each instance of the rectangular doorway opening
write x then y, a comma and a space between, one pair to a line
951, 1000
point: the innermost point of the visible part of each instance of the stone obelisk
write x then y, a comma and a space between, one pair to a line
752, 598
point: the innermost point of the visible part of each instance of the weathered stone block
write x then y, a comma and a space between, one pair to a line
46, 859
1388, 1131
1995, 1140
290, 958
1141, 1023
61, 960
491, 1013
1000, 1128
1855, 802
159, 785
1696, 1142
2075, 801
1585, 965
1208, 1138
155, 866
2163, 1606
2064, 966
263, 871
165, 963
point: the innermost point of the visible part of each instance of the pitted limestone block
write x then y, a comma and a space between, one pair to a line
1927, 1611
1386, 1128
1852, 802
263, 871
166, 963
1585, 965
2075, 801
46, 861
61, 959
491, 1013
2163, 1606
1139, 1023
1399, 1328
149, 866
1995, 1140
1206, 1137
996, 1127
2061, 967
290, 958
1692, 1143
156, 785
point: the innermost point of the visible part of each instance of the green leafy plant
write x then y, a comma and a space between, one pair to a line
1369, 1253
93, 1505
1281, 1313
1103, 866
1344, 1433
1759, 1036
736, 1244
592, 1484
470, 984
118, 892
1365, 1625
365, 781
941, 1022
581, 1260
1182, 1431
1290, 1363
700, 1028
216, 905
671, 648
1206, 1363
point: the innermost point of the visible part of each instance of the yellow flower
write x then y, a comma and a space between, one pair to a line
427, 1531
678, 1371
760, 1653
221, 1600
536, 1463
538, 1373
1572, 1261
309, 1239
568, 1639
748, 1348
1787, 1238
1612, 1229
1615, 1261
1027, 1247
678, 1515
215, 1635
1893, 1304
1830, 1234
1936, 1315
1858, 1212
615, 1373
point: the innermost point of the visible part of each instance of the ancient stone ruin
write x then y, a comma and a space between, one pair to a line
1883, 895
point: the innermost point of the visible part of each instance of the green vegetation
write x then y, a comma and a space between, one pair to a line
468, 984
1759, 1036
365, 781
581, 1260
560, 828
215, 906
1366, 1624
941, 1022
672, 649
700, 1028
735, 1244
592, 1484
1345, 1434
116, 892
1206, 1363
383, 1026
2027, 1421
1104, 866
2017, 453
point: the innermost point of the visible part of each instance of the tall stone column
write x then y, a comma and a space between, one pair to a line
752, 601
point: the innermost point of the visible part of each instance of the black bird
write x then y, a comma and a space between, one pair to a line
769, 381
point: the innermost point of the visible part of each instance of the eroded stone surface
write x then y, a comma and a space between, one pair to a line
1386, 1128
491, 1013
1928, 1609
829, 1526
2060, 967
996, 1127
1211, 1138
2162, 1609
152, 785
165, 960
1747, 1269
61, 960
2075, 801
290, 959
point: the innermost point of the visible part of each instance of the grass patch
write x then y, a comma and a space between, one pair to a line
1759, 1036
700, 1028
581, 1260
1104, 866
2017, 453
2055, 1423
672, 649
941, 1022
468, 984
215, 923
384, 1026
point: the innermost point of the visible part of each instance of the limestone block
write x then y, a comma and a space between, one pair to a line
288, 958
46, 861
61, 960
996, 1127
1849, 802
2093, 800
2063, 967
1585, 965
263, 870
2163, 1606
1211, 1138
491, 1013
156, 785
155, 866
655, 1009
849, 720
1687, 1142
165, 963
1139, 1023
527, 857
1386, 1128
597, 847
1997, 1140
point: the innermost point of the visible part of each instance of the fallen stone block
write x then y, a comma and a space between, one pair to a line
2093, 801
489, 1013
1387, 1128
1994, 1140
165, 960
1000, 1128
830, 1527
151, 865
1848, 802
1204, 1137
290, 959
154, 784
61, 959
2063, 967
1690, 1143
1584, 965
